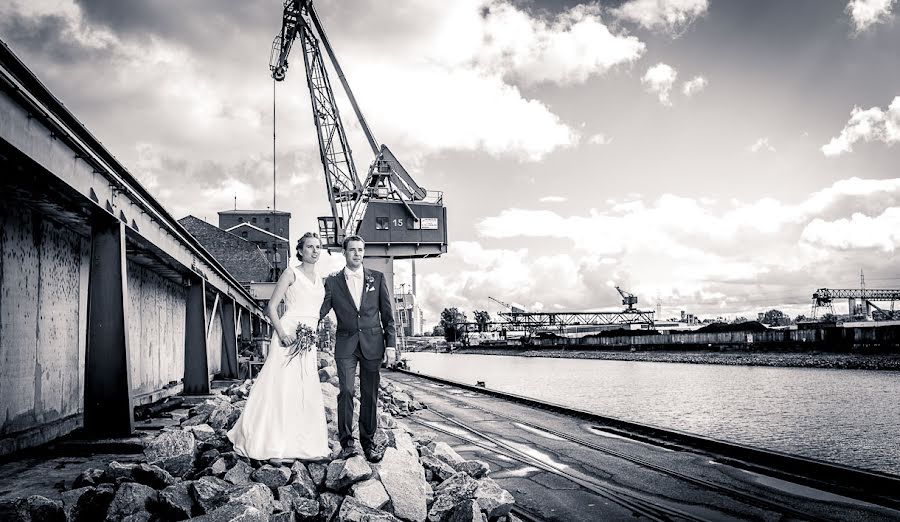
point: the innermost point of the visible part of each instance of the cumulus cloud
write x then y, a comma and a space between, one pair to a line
708, 256
553, 199
761, 144
599, 139
659, 80
693, 86
874, 124
866, 13
881, 232
569, 48
671, 16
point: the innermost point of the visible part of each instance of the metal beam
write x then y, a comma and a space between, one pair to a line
35, 123
107, 385
196, 367
229, 340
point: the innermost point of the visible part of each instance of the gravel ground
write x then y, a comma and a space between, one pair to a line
801, 360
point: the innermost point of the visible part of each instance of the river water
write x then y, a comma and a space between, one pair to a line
851, 417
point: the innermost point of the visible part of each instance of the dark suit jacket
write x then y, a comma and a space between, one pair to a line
370, 328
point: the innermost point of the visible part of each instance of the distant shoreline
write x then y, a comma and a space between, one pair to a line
888, 362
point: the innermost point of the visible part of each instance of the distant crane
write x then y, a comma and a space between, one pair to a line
512, 308
628, 299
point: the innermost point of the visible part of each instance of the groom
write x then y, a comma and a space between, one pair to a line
358, 296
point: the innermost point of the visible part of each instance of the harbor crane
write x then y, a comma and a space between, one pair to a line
396, 217
628, 299
512, 308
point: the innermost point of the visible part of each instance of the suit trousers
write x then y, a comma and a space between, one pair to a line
369, 379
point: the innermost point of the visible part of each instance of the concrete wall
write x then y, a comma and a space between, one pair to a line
214, 339
44, 275
43, 304
155, 330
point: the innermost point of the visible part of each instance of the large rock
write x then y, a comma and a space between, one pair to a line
131, 498
256, 495
475, 468
438, 468
239, 474
379, 445
32, 509
116, 470
272, 476
326, 373
209, 493
329, 504
404, 481
344, 473
371, 493
352, 510
449, 493
403, 442
219, 418
87, 503
88, 477
173, 451
467, 511
443, 451
301, 479
176, 502
293, 500
317, 472
234, 513
153, 476
202, 432
494, 500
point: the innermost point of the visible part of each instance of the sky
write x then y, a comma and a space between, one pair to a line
718, 157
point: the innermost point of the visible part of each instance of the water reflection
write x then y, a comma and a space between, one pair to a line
846, 416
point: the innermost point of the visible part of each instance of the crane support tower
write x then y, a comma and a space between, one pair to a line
512, 308
824, 298
396, 217
628, 299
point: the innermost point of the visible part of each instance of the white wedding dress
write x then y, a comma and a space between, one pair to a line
285, 415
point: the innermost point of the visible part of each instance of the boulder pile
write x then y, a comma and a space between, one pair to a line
192, 471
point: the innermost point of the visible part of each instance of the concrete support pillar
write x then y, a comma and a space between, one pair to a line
196, 367
229, 339
246, 328
108, 407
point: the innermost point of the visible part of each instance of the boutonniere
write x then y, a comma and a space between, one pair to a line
370, 283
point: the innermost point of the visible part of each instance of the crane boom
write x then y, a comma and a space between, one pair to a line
628, 299
404, 222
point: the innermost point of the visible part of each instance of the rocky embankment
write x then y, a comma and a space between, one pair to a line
787, 360
192, 471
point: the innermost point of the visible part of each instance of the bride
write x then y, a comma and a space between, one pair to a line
284, 418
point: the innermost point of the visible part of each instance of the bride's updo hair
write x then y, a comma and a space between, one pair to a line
302, 242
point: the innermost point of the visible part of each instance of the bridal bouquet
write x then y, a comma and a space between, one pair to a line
306, 338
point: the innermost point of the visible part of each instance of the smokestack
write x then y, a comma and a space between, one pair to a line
414, 277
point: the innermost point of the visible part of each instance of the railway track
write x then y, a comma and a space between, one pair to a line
639, 506
651, 510
736, 494
868, 486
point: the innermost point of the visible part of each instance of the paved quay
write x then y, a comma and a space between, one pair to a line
564, 468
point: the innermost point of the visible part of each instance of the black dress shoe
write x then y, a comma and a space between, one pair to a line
371, 456
348, 452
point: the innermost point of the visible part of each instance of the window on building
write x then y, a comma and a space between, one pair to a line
382, 223
244, 234
240, 220
281, 231
253, 220
267, 229
267, 220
